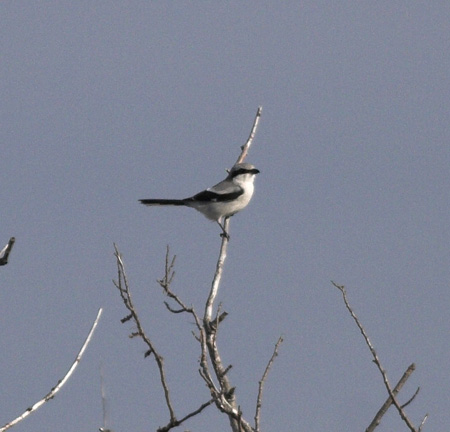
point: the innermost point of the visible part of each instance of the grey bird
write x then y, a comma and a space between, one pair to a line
222, 200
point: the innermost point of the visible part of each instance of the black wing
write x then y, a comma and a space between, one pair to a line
215, 195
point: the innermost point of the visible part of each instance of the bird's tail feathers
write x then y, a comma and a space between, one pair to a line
163, 202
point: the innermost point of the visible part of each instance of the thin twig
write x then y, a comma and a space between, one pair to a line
262, 381
382, 411
165, 284
188, 416
376, 360
422, 423
60, 383
411, 398
246, 146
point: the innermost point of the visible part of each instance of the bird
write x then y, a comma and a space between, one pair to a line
221, 200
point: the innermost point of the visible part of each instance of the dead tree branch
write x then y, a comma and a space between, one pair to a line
261, 384
245, 148
192, 414
60, 383
413, 396
223, 395
124, 290
377, 419
376, 359
217, 275
125, 294
4, 253
422, 423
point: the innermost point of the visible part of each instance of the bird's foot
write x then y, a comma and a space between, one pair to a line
224, 233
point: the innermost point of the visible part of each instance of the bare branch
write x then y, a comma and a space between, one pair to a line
204, 366
262, 381
204, 371
60, 383
245, 148
188, 416
4, 253
217, 276
377, 419
376, 360
223, 395
165, 284
422, 423
105, 413
412, 397
124, 290
169, 272
226, 223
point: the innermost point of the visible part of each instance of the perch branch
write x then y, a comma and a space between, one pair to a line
376, 360
222, 393
60, 383
223, 396
217, 276
246, 146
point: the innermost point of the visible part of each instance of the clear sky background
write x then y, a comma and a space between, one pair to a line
103, 103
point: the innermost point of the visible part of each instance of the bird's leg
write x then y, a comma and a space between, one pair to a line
224, 232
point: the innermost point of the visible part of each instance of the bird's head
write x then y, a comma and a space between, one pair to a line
243, 172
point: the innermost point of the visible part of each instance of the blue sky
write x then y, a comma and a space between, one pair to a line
103, 103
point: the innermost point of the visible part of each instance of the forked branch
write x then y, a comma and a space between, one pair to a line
125, 293
376, 360
124, 290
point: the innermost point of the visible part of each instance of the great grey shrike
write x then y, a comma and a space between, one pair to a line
222, 200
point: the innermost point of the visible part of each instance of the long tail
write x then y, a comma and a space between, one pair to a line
169, 202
